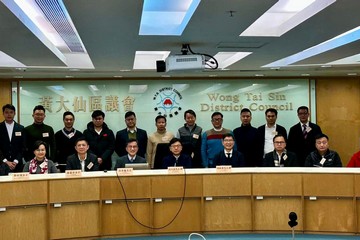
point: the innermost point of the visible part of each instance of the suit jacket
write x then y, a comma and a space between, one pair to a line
13, 149
236, 160
120, 162
73, 162
299, 145
121, 140
183, 160
290, 161
279, 129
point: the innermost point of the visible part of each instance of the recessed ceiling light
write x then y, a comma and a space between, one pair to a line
117, 76
147, 59
326, 66
352, 74
125, 70
226, 59
68, 76
18, 77
171, 17
259, 75
305, 74
284, 15
165, 76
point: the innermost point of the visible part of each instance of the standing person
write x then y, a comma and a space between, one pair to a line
211, 142
229, 156
40, 164
176, 157
101, 139
323, 156
12, 141
82, 159
131, 156
280, 157
269, 130
190, 135
65, 140
247, 140
131, 132
40, 131
160, 136
301, 138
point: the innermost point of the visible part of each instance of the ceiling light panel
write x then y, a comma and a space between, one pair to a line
147, 59
170, 16
284, 16
338, 41
226, 59
7, 61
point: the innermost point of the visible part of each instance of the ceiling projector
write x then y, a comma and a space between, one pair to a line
181, 62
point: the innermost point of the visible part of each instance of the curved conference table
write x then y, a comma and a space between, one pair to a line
154, 202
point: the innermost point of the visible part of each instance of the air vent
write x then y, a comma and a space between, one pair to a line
58, 17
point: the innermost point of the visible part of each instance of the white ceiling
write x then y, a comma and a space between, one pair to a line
109, 31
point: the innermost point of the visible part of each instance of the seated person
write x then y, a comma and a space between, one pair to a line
323, 156
131, 157
355, 160
280, 157
40, 164
176, 158
229, 156
82, 159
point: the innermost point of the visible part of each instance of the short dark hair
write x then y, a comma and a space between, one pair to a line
273, 110
190, 111
321, 135
68, 113
159, 117
228, 135
82, 138
279, 135
174, 140
129, 114
216, 113
8, 106
130, 140
245, 110
39, 107
302, 108
38, 143
97, 113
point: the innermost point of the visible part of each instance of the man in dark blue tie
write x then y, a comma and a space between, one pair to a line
229, 156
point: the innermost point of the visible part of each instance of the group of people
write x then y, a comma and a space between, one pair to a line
38, 149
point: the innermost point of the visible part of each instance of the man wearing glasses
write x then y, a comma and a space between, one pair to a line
280, 157
211, 143
229, 156
176, 157
301, 139
101, 139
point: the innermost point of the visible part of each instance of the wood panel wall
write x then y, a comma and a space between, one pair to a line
338, 114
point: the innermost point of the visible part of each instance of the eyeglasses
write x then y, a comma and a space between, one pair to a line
176, 146
228, 140
279, 142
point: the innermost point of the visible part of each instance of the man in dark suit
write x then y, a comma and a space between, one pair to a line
12, 141
301, 139
82, 159
269, 130
131, 132
247, 140
280, 157
131, 156
229, 156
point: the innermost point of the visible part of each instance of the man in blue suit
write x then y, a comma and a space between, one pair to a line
12, 142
